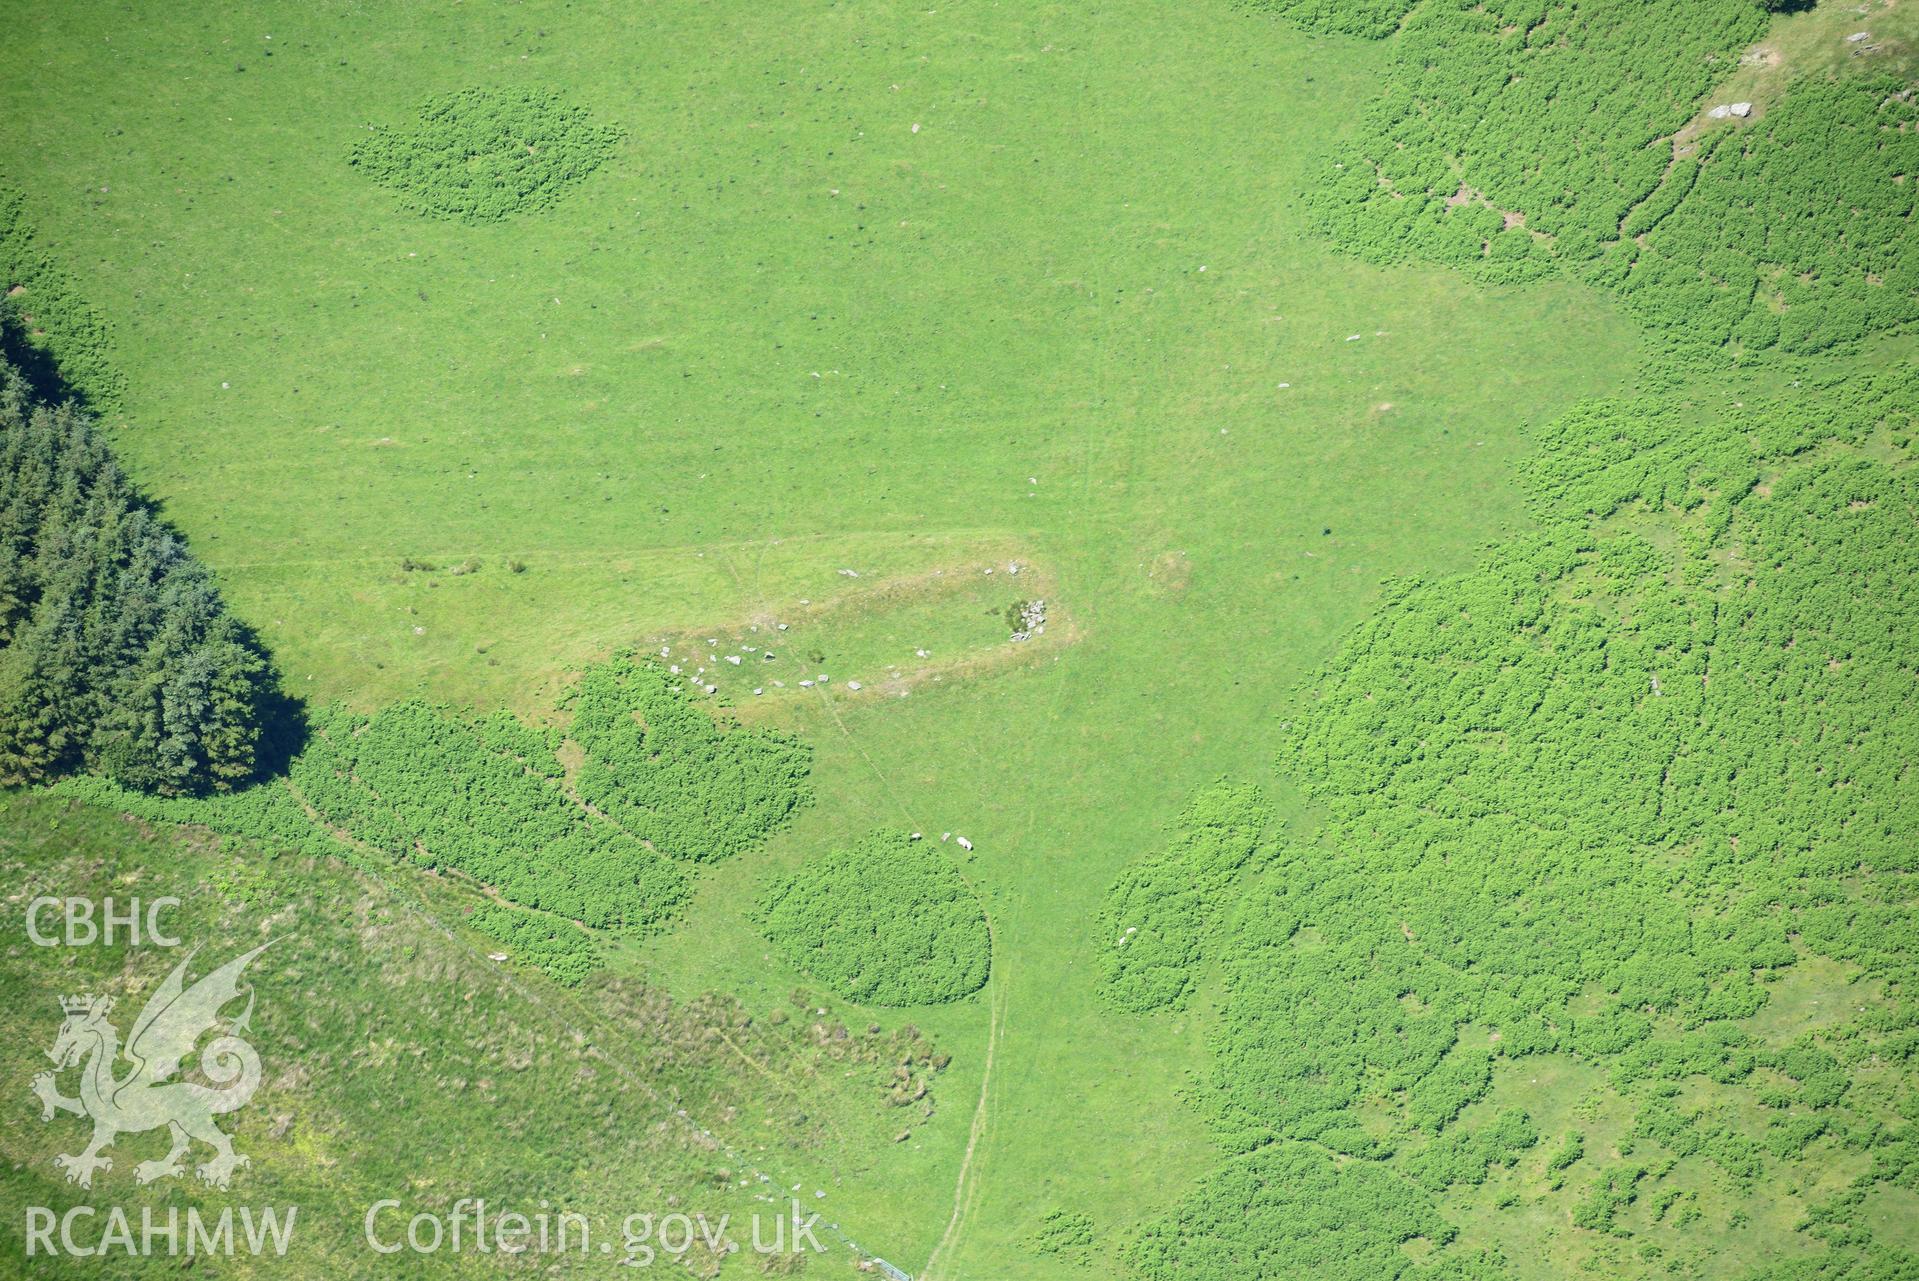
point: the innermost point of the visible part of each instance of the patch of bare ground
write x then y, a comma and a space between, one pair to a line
1470, 195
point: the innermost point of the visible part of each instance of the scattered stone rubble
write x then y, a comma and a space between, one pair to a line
1032, 620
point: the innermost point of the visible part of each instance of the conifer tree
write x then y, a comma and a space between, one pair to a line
117, 655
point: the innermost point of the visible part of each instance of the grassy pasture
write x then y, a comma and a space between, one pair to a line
417, 391
780, 332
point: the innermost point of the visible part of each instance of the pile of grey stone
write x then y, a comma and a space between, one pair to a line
1032, 620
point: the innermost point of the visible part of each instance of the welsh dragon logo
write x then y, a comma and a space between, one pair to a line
151, 1093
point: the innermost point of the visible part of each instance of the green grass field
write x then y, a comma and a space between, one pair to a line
903, 291
626, 386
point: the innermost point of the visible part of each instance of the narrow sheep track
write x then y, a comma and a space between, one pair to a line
962, 1193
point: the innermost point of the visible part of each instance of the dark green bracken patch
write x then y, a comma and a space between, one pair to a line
480, 155
888, 922
1064, 1234
563, 952
663, 769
